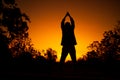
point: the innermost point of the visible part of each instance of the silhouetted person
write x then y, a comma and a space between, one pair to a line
68, 39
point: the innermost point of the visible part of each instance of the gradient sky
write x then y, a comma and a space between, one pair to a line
92, 18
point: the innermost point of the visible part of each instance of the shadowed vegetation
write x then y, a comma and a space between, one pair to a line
108, 49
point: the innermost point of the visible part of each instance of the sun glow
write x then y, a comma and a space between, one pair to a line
47, 37
91, 20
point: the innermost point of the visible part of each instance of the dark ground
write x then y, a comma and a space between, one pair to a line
66, 71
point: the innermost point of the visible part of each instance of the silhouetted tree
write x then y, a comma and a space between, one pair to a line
14, 25
51, 55
108, 49
110, 44
5, 56
94, 51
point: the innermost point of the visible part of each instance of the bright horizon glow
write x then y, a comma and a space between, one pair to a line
92, 18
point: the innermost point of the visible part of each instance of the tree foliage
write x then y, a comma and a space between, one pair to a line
14, 37
109, 47
14, 27
51, 55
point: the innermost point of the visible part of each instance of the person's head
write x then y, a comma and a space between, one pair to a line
67, 24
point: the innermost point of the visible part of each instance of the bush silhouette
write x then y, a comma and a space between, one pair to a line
14, 25
108, 49
51, 55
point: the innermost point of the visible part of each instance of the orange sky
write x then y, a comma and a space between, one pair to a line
92, 18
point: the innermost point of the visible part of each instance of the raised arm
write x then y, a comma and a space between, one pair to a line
63, 20
72, 21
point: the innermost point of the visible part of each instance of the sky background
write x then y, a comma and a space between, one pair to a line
92, 18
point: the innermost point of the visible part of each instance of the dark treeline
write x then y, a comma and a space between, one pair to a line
17, 51
108, 49
15, 44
